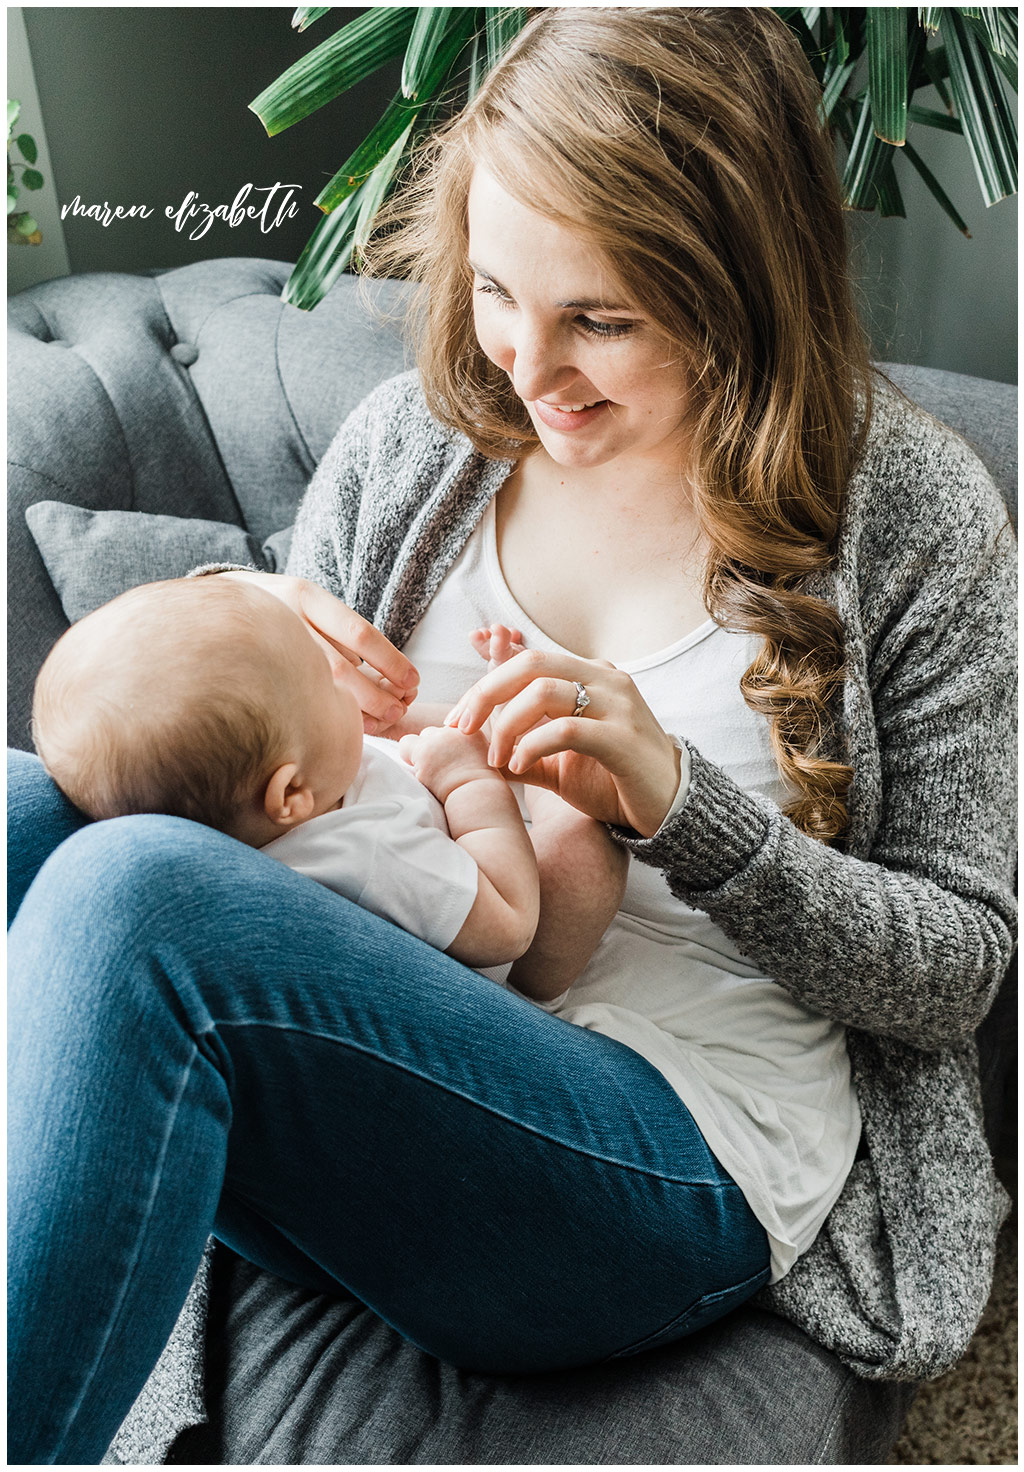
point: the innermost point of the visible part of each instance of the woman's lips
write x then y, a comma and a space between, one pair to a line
567, 420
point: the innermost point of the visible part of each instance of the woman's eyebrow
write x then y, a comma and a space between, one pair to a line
479, 271
595, 306
574, 304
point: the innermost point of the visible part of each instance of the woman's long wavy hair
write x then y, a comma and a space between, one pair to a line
685, 143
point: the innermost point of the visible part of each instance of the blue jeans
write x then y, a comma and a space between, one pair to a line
203, 1041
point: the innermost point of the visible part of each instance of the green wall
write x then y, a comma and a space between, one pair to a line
144, 106
928, 294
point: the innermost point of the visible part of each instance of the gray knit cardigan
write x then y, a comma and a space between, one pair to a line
902, 931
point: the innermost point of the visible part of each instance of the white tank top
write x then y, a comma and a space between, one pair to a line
766, 1080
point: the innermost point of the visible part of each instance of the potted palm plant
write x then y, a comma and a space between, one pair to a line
871, 63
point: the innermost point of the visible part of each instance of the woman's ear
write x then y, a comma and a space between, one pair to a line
287, 799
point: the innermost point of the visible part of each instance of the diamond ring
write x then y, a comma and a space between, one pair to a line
582, 698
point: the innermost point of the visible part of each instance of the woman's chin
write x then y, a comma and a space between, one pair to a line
577, 451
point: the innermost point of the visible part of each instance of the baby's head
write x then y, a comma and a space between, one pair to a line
204, 698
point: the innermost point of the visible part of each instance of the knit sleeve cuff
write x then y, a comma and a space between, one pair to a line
711, 836
206, 569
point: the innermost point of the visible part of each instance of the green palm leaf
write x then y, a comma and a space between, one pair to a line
477, 69
358, 49
400, 112
838, 68
865, 163
428, 33
327, 254
502, 23
988, 125
834, 88
357, 168
373, 191
992, 27
455, 47
796, 18
306, 15
936, 69
887, 71
933, 119
888, 196
1006, 60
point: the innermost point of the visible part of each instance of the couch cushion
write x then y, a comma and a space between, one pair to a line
99, 405
92, 556
294, 1377
985, 413
274, 382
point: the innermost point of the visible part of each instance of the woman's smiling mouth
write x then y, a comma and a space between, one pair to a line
568, 416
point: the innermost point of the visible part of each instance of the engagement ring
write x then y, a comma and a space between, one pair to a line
582, 698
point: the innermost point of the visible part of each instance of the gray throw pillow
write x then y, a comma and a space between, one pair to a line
92, 556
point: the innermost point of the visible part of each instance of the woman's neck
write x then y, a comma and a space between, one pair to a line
607, 566
657, 493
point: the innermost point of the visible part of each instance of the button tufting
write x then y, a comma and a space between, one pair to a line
185, 353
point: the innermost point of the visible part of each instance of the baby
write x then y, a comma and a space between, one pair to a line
207, 699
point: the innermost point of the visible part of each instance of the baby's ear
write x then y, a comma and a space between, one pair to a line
287, 801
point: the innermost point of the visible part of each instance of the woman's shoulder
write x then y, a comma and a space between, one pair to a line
927, 535
394, 418
919, 489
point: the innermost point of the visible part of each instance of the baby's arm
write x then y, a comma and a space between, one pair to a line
582, 870
582, 881
484, 819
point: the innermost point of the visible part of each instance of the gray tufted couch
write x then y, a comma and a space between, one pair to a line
196, 393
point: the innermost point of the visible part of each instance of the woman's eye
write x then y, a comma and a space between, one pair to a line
605, 329
589, 325
488, 288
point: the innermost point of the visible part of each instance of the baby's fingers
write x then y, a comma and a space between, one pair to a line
496, 643
480, 639
407, 749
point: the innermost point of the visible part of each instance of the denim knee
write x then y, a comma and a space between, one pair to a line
115, 905
39, 820
128, 871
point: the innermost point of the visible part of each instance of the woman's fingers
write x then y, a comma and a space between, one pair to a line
568, 733
502, 684
612, 760
543, 699
351, 635
380, 677
612, 780
382, 706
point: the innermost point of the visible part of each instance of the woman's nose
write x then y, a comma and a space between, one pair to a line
540, 365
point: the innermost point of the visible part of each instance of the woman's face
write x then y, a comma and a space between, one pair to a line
598, 380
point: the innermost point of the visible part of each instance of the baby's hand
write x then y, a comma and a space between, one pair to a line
496, 643
443, 758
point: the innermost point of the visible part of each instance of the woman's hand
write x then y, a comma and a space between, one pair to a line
380, 677
613, 761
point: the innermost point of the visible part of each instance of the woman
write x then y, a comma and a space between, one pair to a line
765, 616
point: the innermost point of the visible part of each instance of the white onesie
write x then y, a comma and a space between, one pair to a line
387, 848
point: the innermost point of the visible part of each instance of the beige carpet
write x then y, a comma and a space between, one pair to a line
969, 1417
